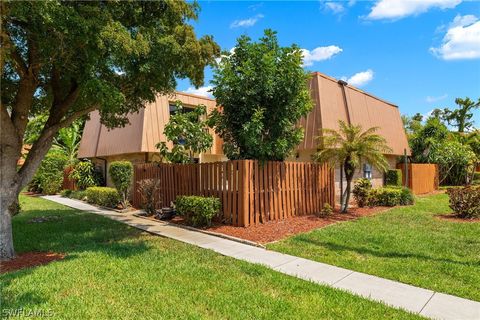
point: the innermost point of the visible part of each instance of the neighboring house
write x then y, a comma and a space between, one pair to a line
136, 142
334, 100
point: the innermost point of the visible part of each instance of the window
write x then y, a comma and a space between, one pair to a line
173, 109
367, 171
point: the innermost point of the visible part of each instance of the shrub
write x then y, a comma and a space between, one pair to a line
35, 184
198, 211
406, 197
361, 191
66, 193
49, 177
326, 211
121, 173
103, 196
385, 197
73, 194
465, 201
78, 194
148, 188
85, 175
393, 177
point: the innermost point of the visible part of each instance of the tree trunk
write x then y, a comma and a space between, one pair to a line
9, 191
8, 206
349, 172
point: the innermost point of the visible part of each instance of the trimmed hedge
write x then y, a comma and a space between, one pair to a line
74, 194
393, 177
198, 211
465, 201
103, 196
390, 196
121, 173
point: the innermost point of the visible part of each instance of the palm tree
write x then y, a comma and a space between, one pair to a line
349, 147
68, 141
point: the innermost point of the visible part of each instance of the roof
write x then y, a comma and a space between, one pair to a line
142, 134
357, 107
146, 127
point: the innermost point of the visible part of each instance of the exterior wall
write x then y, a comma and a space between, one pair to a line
134, 158
377, 176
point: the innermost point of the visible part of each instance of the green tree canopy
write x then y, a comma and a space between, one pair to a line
68, 58
262, 90
461, 117
187, 130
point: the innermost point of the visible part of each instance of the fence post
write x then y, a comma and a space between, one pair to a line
243, 194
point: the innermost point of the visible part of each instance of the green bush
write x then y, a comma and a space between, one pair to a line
465, 201
388, 197
406, 197
393, 177
103, 196
85, 175
49, 177
326, 211
361, 190
198, 211
121, 173
66, 193
78, 194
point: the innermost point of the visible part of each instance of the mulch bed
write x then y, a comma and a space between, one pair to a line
29, 259
455, 218
276, 230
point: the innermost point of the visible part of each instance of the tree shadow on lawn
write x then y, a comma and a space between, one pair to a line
362, 250
73, 234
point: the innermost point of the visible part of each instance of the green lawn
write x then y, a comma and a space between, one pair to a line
116, 272
406, 244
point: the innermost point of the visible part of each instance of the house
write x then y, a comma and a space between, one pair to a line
333, 100
136, 142
336, 100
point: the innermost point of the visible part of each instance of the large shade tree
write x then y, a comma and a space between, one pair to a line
262, 88
349, 147
66, 59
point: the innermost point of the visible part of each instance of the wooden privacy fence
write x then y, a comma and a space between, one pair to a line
67, 182
250, 192
422, 177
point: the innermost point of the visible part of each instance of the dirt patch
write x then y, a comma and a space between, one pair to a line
277, 230
455, 218
29, 259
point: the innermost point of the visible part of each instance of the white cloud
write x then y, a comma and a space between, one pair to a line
334, 7
202, 91
430, 99
360, 78
319, 54
397, 9
246, 22
462, 40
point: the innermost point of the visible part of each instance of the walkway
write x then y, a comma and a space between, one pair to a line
425, 302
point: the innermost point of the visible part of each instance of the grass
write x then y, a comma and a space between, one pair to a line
116, 272
407, 244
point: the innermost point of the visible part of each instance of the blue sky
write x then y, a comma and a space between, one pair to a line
417, 54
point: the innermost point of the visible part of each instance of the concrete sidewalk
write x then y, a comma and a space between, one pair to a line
425, 302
